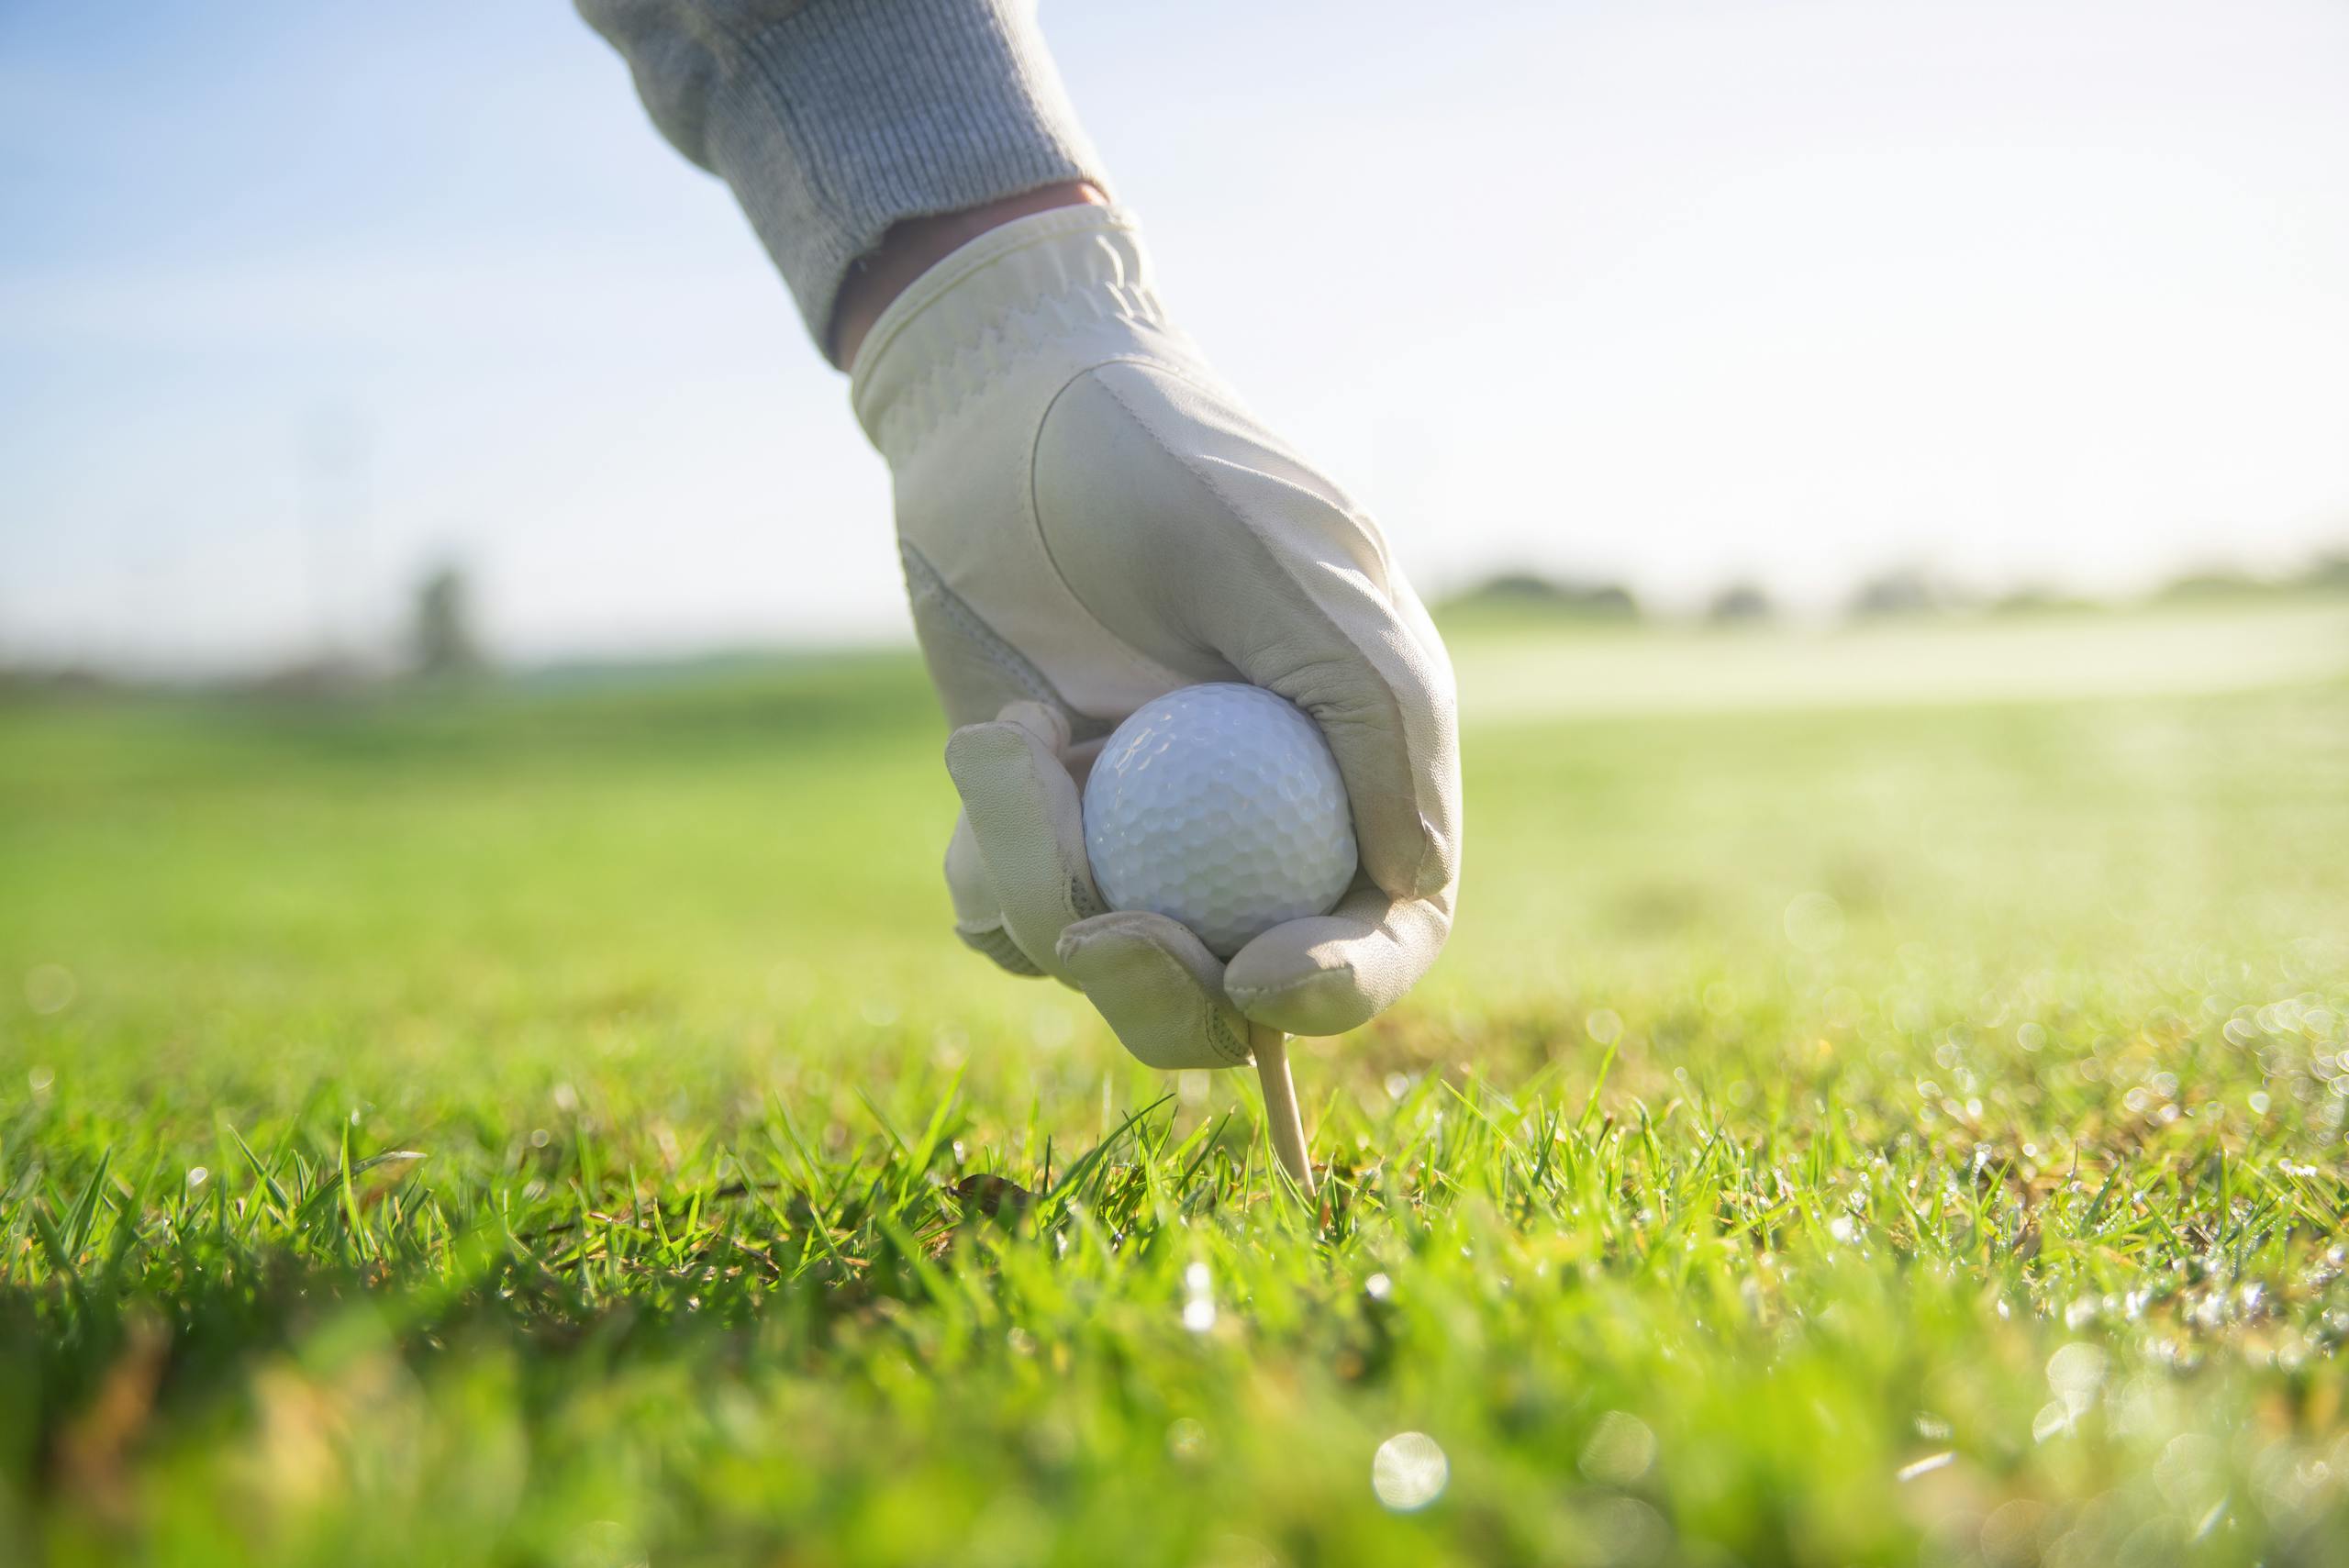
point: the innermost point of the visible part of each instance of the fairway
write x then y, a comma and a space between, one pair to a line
2049, 656
553, 1123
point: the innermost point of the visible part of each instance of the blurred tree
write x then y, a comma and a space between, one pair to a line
2034, 599
1567, 597
1741, 603
2325, 572
1899, 590
2212, 582
443, 644
2329, 572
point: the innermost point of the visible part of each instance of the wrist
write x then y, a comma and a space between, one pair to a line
1031, 299
913, 246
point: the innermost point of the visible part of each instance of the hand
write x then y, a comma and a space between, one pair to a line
1087, 518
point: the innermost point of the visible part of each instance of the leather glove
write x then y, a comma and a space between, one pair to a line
1087, 520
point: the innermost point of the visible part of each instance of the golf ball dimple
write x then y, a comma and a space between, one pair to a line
1220, 806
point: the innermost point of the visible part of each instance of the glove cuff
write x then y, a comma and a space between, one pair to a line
1072, 283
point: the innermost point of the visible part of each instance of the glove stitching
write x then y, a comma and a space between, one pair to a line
923, 578
1220, 1036
1429, 848
1246, 995
1138, 664
962, 373
867, 385
995, 942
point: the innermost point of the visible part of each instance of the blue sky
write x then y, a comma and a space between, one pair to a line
294, 299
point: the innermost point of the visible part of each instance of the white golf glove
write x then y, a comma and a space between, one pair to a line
1089, 520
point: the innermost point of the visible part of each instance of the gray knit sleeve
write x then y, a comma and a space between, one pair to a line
832, 120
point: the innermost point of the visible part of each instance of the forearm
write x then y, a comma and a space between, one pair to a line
837, 121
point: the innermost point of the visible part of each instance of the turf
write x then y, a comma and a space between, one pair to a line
552, 1125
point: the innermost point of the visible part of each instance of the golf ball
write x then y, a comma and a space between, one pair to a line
1220, 806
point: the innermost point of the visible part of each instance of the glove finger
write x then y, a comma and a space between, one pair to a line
1159, 987
1370, 670
1334, 972
978, 912
1028, 824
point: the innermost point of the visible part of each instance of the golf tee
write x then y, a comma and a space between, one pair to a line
1270, 1047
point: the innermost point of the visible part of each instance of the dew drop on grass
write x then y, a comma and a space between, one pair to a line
1198, 1299
1620, 1450
2075, 1373
1925, 1466
50, 988
1814, 922
1408, 1472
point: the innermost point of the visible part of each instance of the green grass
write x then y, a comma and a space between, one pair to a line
554, 1126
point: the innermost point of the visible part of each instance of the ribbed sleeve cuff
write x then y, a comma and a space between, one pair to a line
847, 116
